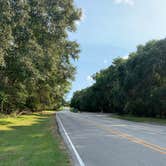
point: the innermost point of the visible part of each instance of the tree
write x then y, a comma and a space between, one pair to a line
133, 86
35, 55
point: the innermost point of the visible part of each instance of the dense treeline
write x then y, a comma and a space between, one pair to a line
35, 53
136, 85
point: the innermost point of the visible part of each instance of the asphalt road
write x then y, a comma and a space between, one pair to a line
99, 140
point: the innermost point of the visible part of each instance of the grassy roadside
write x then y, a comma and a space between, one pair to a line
140, 119
31, 140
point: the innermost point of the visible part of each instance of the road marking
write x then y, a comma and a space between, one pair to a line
130, 138
134, 139
74, 149
120, 125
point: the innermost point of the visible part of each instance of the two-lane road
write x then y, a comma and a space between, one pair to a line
99, 140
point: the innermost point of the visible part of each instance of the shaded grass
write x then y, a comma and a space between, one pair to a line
140, 119
31, 140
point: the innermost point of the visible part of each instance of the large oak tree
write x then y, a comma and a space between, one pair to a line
35, 53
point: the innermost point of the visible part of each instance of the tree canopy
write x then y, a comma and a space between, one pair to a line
35, 53
136, 85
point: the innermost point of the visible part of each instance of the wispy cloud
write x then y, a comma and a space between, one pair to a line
128, 2
105, 61
90, 80
125, 57
83, 17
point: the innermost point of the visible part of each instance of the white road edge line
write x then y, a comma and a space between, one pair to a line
74, 149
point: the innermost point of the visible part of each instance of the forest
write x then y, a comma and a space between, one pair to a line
135, 86
36, 53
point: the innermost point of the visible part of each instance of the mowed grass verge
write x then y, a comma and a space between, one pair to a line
31, 140
140, 119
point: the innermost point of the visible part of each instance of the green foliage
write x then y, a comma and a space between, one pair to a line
74, 110
134, 86
35, 53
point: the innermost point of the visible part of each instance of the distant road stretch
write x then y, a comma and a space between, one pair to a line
99, 140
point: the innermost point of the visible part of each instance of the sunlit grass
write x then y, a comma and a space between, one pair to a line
8, 122
31, 140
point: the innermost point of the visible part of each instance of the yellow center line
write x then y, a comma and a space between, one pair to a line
130, 138
133, 139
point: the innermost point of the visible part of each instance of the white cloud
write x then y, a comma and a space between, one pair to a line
128, 2
90, 80
105, 61
125, 57
83, 17
78, 22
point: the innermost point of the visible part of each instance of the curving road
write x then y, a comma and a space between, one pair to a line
99, 140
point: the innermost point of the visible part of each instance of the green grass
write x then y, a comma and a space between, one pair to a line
140, 119
31, 140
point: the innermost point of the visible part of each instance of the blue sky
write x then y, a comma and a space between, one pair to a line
113, 28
